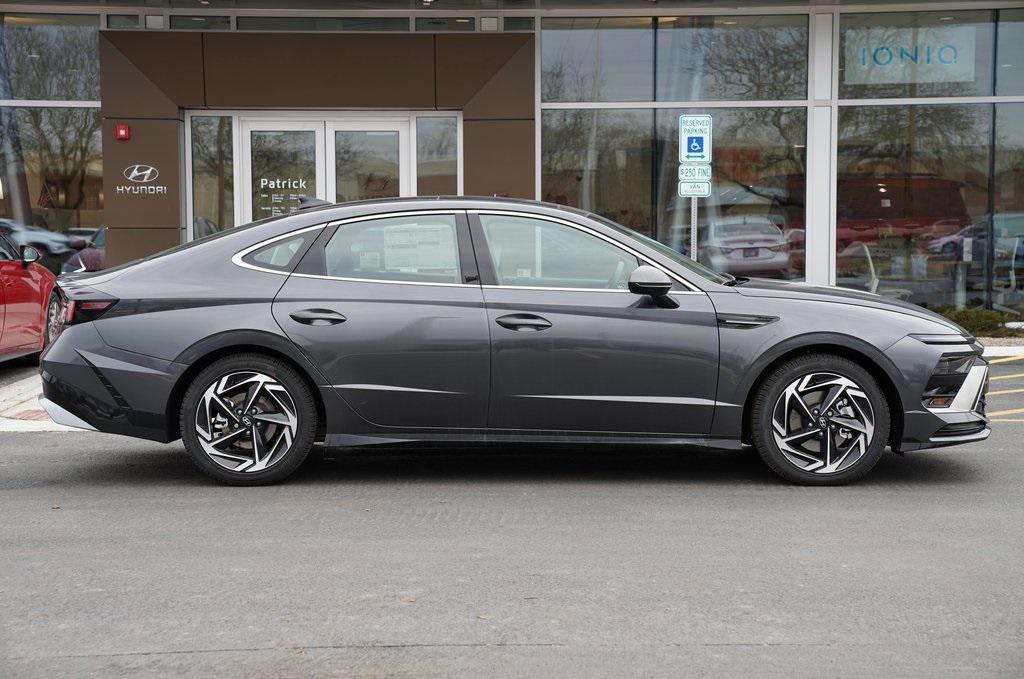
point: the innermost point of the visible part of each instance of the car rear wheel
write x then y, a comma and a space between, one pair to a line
248, 420
820, 420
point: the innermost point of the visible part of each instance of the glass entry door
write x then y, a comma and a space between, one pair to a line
335, 160
368, 159
282, 161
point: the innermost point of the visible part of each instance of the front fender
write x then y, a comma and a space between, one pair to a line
740, 372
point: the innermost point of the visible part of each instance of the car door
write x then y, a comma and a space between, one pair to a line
391, 309
573, 350
22, 305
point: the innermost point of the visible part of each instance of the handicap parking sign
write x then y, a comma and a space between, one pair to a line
695, 138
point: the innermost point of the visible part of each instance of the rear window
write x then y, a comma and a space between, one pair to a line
281, 255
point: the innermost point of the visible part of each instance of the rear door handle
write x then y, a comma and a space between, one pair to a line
317, 317
523, 322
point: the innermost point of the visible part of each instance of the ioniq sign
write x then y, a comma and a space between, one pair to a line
141, 177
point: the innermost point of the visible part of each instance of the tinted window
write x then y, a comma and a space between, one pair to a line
418, 248
281, 255
538, 253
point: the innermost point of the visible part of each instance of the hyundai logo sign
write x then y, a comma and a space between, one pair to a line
142, 174
141, 177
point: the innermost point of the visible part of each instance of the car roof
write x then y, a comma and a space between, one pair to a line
443, 202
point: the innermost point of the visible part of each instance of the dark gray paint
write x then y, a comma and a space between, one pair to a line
619, 366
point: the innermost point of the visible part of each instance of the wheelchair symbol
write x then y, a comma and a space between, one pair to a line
694, 147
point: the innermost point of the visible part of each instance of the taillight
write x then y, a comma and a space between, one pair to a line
84, 310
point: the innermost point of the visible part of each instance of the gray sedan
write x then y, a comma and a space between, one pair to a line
486, 320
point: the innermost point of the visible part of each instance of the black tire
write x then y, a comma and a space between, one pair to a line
767, 399
52, 307
289, 457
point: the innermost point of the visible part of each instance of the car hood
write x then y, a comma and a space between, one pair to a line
760, 287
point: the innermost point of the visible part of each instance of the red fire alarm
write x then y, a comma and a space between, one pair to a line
122, 132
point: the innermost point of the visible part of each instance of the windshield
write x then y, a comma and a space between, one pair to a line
678, 258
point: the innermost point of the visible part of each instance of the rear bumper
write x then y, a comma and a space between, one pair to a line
90, 385
63, 416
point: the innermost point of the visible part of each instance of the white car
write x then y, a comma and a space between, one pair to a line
748, 245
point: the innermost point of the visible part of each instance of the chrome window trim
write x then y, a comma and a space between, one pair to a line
691, 288
237, 258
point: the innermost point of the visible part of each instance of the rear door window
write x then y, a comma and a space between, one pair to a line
419, 248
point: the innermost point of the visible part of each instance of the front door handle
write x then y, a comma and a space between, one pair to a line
523, 322
317, 317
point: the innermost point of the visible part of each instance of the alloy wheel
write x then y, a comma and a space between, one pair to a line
246, 421
823, 423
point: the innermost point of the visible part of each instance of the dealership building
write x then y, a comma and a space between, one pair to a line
878, 146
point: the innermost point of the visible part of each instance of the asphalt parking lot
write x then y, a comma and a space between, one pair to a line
118, 558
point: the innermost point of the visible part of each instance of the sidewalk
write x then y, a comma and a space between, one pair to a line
20, 409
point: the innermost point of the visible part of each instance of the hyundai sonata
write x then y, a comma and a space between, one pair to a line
487, 320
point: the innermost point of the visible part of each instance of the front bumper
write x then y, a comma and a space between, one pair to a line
963, 421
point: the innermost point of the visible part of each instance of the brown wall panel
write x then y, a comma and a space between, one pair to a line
508, 94
466, 62
498, 158
304, 70
172, 62
127, 91
124, 245
148, 205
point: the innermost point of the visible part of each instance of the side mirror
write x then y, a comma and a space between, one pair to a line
29, 254
647, 280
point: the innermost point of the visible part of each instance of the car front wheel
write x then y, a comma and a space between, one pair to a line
248, 420
820, 420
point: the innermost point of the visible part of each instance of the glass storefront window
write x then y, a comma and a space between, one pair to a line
519, 23
366, 24
200, 23
52, 178
49, 56
122, 21
438, 24
732, 57
912, 197
213, 195
599, 160
753, 223
1008, 208
1010, 57
437, 139
606, 59
916, 54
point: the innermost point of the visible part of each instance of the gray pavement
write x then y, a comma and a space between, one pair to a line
13, 371
118, 558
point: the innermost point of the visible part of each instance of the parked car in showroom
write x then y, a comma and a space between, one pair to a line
29, 303
495, 320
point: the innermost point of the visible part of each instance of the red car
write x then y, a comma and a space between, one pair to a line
29, 304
